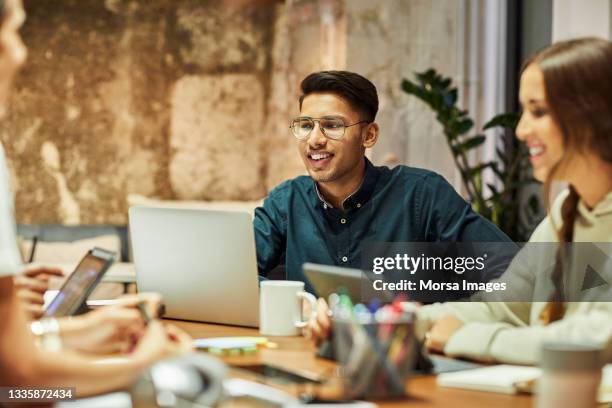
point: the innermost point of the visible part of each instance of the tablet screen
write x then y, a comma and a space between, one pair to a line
327, 279
78, 286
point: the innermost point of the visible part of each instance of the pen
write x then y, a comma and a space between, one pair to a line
33, 250
362, 314
374, 305
143, 311
333, 301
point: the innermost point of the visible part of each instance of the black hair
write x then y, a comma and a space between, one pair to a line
357, 90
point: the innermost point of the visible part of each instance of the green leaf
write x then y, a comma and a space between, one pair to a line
437, 101
450, 137
409, 86
450, 98
534, 204
501, 174
464, 126
502, 156
476, 171
442, 116
505, 120
493, 189
426, 77
472, 143
510, 165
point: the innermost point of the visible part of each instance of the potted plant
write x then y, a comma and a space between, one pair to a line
502, 204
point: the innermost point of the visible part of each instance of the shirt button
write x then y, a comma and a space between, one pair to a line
358, 205
344, 259
343, 221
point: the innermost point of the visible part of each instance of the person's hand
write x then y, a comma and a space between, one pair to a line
107, 329
31, 287
161, 341
441, 332
42, 272
152, 302
319, 326
112, 328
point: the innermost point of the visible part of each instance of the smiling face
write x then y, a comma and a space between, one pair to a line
537, 127
12, 51
329, 160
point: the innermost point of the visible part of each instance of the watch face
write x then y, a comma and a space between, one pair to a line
47, 334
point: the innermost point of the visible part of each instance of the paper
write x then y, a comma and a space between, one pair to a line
500, 378
223, 343
505, 378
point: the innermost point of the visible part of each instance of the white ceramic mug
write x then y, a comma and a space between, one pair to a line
280, 307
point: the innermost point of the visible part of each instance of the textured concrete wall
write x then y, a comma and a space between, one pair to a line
390, 40
191, 99
155, 97
301, 45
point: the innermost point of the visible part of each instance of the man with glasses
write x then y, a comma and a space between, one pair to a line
346, 202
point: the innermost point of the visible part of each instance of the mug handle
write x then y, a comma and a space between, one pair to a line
313, 307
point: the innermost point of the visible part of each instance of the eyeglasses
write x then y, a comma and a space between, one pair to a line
331, 127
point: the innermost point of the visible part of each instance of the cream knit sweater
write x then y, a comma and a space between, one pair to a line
512, 332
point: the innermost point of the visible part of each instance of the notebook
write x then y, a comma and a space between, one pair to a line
505, 379
511, 379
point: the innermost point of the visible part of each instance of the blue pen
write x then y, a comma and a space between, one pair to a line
374, 305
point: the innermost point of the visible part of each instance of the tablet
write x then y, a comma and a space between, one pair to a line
327, 279
71, 298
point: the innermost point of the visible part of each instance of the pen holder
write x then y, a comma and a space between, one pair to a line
375, 357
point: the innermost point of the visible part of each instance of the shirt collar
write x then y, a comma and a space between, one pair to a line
602, 208
360, 196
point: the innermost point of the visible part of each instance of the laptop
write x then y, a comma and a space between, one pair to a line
202, 262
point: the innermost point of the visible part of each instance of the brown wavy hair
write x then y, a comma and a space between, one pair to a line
578, 85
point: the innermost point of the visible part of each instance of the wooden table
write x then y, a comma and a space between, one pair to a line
298, 353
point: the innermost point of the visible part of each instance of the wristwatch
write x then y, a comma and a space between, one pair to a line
47, 332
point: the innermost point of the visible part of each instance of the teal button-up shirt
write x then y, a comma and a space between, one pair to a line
403, 204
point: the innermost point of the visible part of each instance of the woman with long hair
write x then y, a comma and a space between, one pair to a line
22, 362
566, 95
